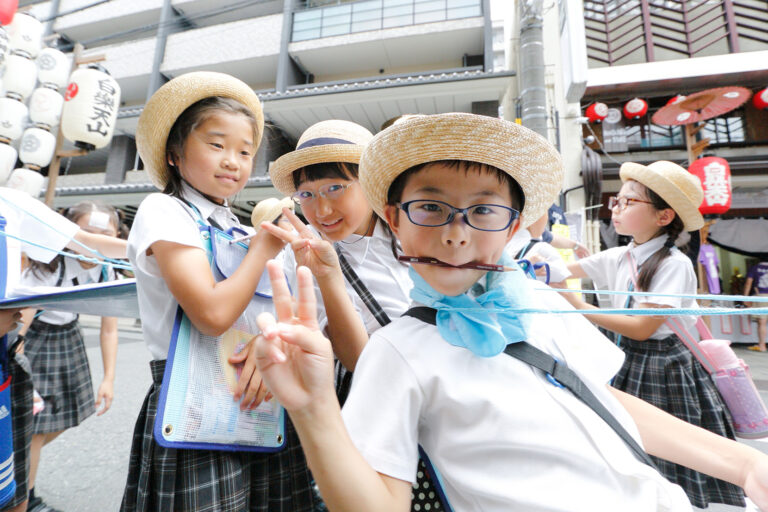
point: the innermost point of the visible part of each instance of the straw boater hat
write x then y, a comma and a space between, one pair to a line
173, 98
526, 156
326, 141
680, 189
269, 209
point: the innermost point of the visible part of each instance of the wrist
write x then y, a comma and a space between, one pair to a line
575, 246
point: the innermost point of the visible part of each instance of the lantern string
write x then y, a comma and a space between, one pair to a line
112, 261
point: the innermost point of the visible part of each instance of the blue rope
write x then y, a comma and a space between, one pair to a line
626, 311
751, 298
94, 251
79, 257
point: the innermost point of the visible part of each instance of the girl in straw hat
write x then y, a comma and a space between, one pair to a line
197, 137
354, 258
655, 204
458, 381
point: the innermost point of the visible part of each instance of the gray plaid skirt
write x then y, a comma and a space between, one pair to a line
665, 374
21, 411
61, 375
164, 479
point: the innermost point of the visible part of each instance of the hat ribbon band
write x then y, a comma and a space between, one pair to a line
322, 141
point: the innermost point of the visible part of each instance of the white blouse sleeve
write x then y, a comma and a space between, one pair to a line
675, 275
383, 409
160, 217
601, 267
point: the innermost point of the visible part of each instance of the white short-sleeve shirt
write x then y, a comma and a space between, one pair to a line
33, 221
162, 217
386, 278
73, 274
502, 436
611, 270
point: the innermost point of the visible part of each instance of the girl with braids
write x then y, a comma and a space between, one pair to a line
655, 205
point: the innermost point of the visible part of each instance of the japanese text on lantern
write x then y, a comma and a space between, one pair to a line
103, 107
716, 189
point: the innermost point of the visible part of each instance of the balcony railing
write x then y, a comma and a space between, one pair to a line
350, 17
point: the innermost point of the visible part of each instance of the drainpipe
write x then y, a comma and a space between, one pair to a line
156, 79
532, 83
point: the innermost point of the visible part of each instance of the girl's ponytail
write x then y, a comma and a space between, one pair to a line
672, 230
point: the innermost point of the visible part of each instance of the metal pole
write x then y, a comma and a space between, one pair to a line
155, 79
532, 83
54, 13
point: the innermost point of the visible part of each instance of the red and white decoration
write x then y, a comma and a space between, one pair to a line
7, 10
715, 176
635, 108
760, 99
90, 108
675, 99
596, 112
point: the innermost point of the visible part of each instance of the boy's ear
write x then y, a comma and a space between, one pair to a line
514, 228
390, 215
665, 216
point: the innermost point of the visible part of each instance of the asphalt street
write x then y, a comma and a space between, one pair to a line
84, 470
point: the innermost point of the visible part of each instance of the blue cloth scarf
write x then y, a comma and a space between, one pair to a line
461, 320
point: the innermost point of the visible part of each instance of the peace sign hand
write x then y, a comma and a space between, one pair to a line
311, 251
294, 358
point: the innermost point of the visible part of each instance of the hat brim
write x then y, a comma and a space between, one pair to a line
281, 170
521, 153
167, 104
689, 213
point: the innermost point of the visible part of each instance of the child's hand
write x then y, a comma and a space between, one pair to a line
8, 319
312, 252
295, 359
250, 386
107, 392
266, 243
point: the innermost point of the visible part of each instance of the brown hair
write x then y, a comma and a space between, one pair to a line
186, 123
672, 230
74, 213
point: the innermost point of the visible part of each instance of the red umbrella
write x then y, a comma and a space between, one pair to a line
701, 106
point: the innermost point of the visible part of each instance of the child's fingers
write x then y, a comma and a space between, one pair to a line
281, 295
306, 303
287, 236
308, 340
299, 226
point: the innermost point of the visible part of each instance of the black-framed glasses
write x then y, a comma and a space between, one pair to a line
484, 217
622, 202
331, 191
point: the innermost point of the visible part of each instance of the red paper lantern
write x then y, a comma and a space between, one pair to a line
760, 99
596, 112
715, 176
7, 10
676, 99
635, 108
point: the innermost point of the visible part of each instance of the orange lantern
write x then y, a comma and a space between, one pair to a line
635, 108
715, 176
760, 99
90, 107
596, 112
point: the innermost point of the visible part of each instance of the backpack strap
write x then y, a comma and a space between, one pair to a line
560, 374
362, 291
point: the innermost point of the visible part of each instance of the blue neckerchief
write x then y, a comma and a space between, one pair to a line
484, 333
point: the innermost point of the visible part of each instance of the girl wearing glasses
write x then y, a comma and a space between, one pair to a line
655, 205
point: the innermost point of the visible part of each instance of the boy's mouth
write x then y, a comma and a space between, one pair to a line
473, 265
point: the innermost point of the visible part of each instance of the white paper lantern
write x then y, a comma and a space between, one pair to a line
13, 116
5, 45
26, 34
36, 147
53, 67
45, 106
20, 76
8, 158
27, 180
90, 108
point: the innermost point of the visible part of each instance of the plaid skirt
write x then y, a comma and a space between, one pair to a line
665, 374
61, 375
21, 411
165, 479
